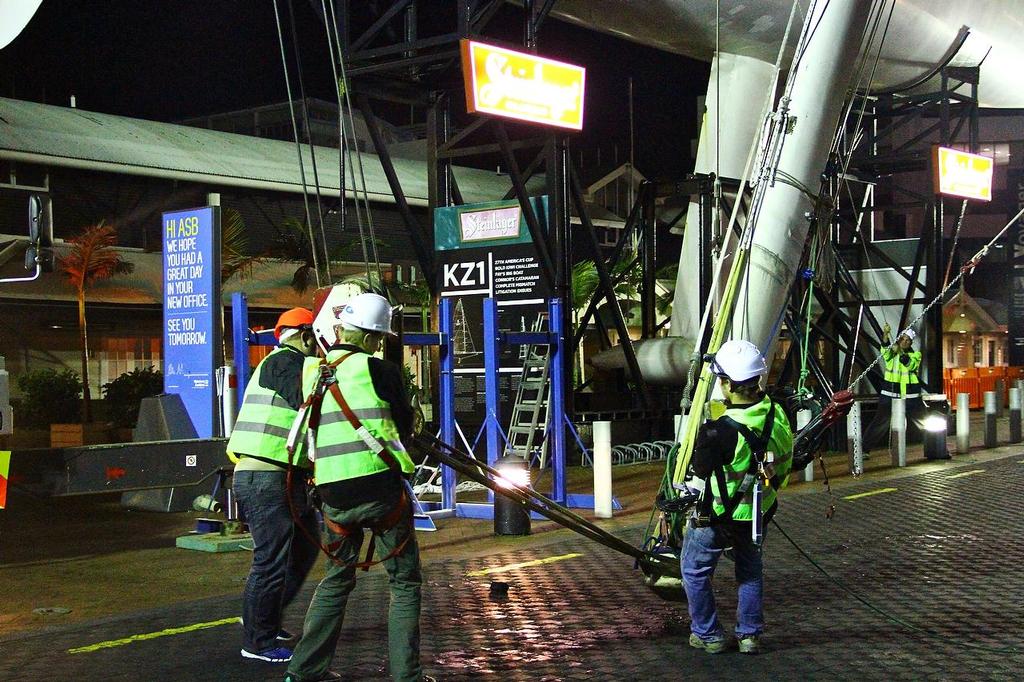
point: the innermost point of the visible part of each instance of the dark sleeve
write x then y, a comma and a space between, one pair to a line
282, 374
390, 386
715, 447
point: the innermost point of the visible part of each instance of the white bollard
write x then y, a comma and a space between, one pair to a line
963, 423
898, 427
1015, 415
854, 441
225, 377
991, 437
603, 470
803, 418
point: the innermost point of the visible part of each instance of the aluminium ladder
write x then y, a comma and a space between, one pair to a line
530, 410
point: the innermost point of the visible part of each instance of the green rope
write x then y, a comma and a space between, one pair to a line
801, 388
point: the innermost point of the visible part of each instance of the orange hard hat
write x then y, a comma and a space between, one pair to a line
295, 319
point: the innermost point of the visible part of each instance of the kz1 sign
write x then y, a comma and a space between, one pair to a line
522, 86
192, 334
485, 250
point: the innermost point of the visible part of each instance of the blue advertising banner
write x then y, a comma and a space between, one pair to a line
192, 334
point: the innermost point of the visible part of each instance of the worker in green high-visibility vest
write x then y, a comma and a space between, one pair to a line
744, 457
901, 364
360, 466
280, 518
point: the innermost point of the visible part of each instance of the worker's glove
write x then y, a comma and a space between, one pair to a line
904, 359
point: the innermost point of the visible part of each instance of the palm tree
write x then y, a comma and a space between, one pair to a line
91, 259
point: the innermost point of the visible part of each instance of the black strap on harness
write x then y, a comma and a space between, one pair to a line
758, 444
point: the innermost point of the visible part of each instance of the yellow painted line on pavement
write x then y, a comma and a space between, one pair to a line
869, 493
524, 564
967, 473
109, 644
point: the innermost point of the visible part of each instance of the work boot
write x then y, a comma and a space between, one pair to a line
712, 646
749, 645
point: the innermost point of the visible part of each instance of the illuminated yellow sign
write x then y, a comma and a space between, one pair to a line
522, 86
960, 174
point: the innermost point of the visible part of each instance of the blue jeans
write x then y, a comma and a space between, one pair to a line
282, 556
701, 551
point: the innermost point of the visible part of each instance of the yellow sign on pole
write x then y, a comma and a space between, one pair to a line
961, 174
522, 86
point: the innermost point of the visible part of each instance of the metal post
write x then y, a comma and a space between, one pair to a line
491, 373
803, 417
991, 439
557, 416
1000, 397
963, 423
446, 398
240, 343
898, 426
603, 470
1015, 416
854, 441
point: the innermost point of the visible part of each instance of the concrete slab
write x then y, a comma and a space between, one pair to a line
215, 542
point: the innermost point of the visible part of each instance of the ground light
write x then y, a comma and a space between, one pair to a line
935, 428
511, 517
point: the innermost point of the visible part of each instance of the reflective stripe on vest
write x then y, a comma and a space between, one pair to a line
340, 453
264, 420
780, 443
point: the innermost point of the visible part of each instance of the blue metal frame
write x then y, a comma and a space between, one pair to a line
241, 338
446, 392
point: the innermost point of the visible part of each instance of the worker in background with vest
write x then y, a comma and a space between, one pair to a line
360, 468
744, 457
282, 555
901, 363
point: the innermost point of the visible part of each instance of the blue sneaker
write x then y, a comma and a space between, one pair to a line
277, 655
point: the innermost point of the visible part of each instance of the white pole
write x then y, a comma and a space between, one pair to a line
898, 426
803, 418
963, 423
603, 470
853, 437
227, 402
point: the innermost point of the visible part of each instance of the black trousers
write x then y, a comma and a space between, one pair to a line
878, 431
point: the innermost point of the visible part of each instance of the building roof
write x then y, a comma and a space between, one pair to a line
73, 138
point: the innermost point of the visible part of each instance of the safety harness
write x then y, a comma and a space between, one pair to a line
758, 444
328, 382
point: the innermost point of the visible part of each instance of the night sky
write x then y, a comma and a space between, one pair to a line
173, 60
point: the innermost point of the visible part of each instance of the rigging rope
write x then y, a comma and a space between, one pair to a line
309, 141
360, 190
337, 58
298, 148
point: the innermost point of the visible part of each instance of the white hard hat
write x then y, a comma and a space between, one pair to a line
739, 360
370, 312
909, 333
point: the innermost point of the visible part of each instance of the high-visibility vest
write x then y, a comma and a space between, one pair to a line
340, 453
780, 443
261, 428
901, 380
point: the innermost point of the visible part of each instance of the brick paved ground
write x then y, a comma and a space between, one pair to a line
941, 553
